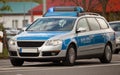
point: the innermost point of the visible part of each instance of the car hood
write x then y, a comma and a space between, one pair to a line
38, 35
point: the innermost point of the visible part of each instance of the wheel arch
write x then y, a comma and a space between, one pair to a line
110, 44
75, 46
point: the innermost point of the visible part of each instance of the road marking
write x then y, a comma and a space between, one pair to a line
19, 69
19, 74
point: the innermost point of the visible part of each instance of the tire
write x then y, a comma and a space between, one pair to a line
107, 56
70, 56
16, 62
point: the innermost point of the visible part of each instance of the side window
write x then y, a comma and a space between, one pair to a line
83, 23
15, 24
94, 25
102, 23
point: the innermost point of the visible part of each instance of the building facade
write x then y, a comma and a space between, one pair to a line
19, 15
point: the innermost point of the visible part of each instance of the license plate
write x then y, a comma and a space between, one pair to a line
28, 50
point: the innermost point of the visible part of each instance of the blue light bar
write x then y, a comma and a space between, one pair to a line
80, 9
51, 9
66, 9
73, 14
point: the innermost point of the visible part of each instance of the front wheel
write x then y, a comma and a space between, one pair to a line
107, 56
16, 62
71, 56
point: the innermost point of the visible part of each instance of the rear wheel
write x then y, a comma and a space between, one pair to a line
107, 56
16, 62
70, 57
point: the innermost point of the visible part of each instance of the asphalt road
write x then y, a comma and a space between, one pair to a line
82, 67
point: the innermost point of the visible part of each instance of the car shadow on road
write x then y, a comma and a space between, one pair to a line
50, 64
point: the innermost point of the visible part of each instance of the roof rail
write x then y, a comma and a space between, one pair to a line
88, 13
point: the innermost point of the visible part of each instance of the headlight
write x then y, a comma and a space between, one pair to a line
53, 42
12, 42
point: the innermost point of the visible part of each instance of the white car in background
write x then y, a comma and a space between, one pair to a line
10, 32
116, 27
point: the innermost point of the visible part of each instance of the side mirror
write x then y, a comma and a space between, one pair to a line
81, 30
22, 30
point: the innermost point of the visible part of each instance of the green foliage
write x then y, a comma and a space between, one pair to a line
1, 27
113, 16
3, 1
5, 6
4, 54
38, 1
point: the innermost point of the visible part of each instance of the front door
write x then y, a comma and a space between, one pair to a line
84, 39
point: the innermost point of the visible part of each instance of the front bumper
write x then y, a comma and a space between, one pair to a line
39, 56
31, 51
39, 59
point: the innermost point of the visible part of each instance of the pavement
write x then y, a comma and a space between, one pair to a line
82, 67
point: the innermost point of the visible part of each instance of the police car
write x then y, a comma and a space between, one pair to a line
63, 37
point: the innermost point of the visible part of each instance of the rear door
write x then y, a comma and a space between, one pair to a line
97, 35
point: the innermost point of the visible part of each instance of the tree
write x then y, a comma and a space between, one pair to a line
88, 5
4, 8
104, 4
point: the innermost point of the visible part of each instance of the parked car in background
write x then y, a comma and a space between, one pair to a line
10, 32
116, 27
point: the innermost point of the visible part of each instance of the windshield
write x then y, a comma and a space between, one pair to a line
52, 24
115, 26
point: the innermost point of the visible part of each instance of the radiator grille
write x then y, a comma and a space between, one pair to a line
29, 54
29, 44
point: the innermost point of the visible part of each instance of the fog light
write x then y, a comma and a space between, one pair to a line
50, 53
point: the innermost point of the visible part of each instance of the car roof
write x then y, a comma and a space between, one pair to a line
79, 14
59, 17
114, 22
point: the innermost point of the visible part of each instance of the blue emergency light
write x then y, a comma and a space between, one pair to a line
64, 11
61, 14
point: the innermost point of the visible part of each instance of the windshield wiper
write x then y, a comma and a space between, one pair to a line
30, 30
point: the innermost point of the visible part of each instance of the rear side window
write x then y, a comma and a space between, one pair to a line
102, 23
94, 25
